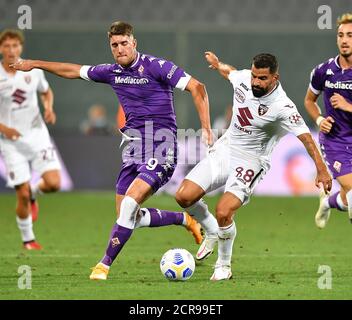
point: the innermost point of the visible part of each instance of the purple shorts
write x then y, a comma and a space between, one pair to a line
338, 159
154, 164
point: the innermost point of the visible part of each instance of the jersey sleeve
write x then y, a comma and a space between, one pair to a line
98, 73
317, 79
292, 121
167, 72
43, 84
233, 75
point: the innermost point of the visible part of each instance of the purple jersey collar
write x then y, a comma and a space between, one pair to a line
135, 62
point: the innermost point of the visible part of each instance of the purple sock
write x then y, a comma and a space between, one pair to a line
160, 218
118, 237
333, 202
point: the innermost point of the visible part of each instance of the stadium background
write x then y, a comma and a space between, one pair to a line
236, 30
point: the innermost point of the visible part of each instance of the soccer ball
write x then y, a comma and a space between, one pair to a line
177, 264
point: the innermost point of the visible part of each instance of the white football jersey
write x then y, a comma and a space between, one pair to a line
258, 123
18, 99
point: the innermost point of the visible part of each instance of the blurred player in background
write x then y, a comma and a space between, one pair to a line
144, 85
262, 114
334, 79
24, 141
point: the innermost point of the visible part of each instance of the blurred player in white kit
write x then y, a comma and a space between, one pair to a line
24, 138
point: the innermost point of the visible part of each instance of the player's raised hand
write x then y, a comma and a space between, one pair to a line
11, 134
339, 102
324, 180
212, 59
326, 124
23, 65
49, 116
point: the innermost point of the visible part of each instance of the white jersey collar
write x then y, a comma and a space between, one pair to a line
272, 94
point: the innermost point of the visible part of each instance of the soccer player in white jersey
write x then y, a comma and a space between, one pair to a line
262, 114
24, 139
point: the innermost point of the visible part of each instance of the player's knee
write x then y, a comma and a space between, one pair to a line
54, 184
183, 199
23, 196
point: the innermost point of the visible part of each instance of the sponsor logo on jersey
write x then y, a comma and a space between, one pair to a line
117, 71
27, 78
130, 80
337, 166
338, 85
244, 86
242, 129
171, 72
244, 116
262, 109
329, 72
239, 95
18, 96
288, 106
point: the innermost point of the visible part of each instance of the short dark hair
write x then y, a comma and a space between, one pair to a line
120, 28
266, 60
12, 34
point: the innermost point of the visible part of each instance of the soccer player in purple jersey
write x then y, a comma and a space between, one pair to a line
144, 85
333, 78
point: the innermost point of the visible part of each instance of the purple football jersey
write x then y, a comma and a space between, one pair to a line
329, 77
145, 90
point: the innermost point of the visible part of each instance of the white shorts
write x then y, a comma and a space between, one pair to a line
32, 151
212, 172
246, 172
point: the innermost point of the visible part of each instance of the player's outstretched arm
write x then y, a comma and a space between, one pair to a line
216, 64
323, 177
201, 101
310, 102
62, 69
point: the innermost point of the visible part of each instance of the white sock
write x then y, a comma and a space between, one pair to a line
143, 218
184, 221
26, 228
104, 265
326, 203
200, 212
128, 213
340, 202
35, 189
349, 203
227, 236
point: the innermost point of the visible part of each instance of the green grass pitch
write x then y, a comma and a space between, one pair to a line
277, 252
